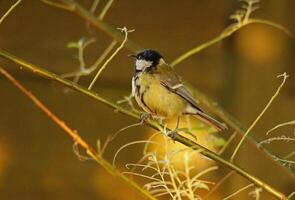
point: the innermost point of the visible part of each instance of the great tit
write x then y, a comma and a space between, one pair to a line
159, 91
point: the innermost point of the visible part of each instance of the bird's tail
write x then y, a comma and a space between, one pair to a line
210, 121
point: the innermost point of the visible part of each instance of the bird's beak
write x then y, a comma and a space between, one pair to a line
132, 55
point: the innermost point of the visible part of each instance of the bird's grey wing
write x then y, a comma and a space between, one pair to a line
173, 83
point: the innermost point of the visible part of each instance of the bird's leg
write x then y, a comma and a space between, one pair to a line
173, 133
144, 117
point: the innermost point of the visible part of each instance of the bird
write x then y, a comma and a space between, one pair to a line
160, 92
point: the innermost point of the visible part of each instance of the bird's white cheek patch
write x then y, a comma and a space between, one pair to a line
142, 64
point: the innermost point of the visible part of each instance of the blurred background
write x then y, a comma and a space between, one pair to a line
36, 157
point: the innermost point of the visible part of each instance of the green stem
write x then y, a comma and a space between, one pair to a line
187, 142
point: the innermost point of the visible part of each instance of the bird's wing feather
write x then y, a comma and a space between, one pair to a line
173, 82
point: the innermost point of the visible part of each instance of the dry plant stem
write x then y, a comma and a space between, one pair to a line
58, 5
237, 192
94, 6
218, 184
9, 11
76, 137
187, 142
110, 58
224, 35
285, 76
105, 9
291, 195
224, 147
281, 125
104, 54
205, 100
235, 124
105, 27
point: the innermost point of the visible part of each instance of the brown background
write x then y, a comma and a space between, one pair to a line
36, 158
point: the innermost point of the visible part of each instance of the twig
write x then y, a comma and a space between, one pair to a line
102, 25
281, 125
86, 71
291, 195
285, 76
242, 18
227, 143
105, 9
289, 155
9, 11
94, 6
111, 57
81, 44
76, 137
218, 185
129, 144
103, 56
67, 7
237, 192
179, 138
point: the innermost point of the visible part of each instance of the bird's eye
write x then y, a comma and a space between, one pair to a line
139, 57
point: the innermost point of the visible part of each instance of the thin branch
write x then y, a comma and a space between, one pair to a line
76, 137
222, 180
227, 143
111, 57
285, 76
281, 125
289, 155
243, 19
105, 9
104, 54
224, 35
9, 11
86, 71
270, 23
67, 7
102, 25
129, 144
291, 195
80, 45
179, 138
94, 6
237, 192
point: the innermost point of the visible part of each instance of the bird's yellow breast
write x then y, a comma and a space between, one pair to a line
159, 100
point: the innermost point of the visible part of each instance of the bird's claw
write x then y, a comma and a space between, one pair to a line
144, 117
173, 135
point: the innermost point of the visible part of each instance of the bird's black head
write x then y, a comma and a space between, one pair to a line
149, 55
147, 59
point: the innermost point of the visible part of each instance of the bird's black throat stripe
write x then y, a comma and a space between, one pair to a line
140, 94
142, 99
136, 84
137, 71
